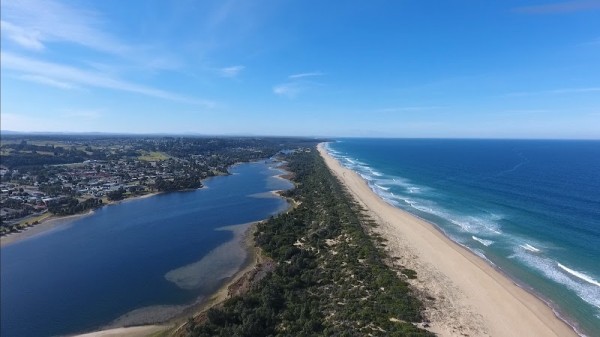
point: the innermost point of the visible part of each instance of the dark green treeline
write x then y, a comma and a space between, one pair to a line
330, 279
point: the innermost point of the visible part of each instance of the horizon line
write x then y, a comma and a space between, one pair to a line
4, 133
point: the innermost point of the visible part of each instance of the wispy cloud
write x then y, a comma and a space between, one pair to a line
37, 25
289, 90
27, 38
296, 84
556, 91
560, 7
33, 23
57, 73
231, 72
47, 81
304, 75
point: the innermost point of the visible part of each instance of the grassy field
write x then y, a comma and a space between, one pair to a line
153, 156
28, 221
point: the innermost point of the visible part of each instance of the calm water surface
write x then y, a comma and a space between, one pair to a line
85, 274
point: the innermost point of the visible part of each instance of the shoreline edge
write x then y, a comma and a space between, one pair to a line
472, 287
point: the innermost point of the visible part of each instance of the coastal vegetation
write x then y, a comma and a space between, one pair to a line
330, 279
69, 174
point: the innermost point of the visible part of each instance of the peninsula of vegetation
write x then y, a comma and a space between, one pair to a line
348, 264
329, 277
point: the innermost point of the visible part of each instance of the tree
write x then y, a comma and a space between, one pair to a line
116, 194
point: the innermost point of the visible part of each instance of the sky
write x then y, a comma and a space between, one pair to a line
421, 68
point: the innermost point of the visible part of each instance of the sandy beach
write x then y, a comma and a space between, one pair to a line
463, 295
57, 220
136, 331
44, 226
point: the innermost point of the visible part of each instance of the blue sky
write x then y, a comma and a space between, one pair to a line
501, 69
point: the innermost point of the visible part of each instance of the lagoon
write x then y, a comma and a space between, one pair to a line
152, 255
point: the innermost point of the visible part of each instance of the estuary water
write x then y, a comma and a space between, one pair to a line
135, 261
530, 207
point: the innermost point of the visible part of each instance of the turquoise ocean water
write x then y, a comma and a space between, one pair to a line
529, 207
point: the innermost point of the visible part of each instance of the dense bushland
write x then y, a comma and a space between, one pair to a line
330, 279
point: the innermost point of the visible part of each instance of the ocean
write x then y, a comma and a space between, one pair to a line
529, 207
136, 260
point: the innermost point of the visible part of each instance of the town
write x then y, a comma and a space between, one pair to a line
44, 175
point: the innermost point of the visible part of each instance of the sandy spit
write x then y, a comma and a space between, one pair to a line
136, 331
44, 226
55, 221
464, 295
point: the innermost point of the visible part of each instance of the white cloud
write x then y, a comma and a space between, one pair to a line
304, 75
57, 73
37, 24
53, 21
289, 90
29, 39
231, 72
296, 84
47, 81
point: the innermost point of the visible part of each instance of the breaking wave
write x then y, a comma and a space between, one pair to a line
583, 285
482, 241
579, 275
530, 248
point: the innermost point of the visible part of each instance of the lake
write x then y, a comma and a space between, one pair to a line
135, 261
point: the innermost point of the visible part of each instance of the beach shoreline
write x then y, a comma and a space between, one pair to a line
45, 225
55, 221
174, 325
254, 263
462, 293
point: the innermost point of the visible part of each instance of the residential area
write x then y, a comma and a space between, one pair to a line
45, 176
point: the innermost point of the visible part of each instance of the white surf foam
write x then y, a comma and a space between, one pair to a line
467, 223
474, 224
579, 275
482, 241
530, 248
406, 184
588, 292
413, 189
479, 253
484, 223
383, 188
366, 177
375, 173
